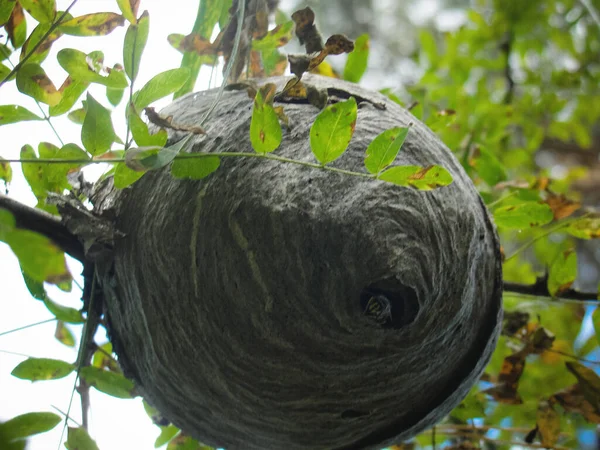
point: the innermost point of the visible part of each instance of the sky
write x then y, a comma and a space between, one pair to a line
114, 423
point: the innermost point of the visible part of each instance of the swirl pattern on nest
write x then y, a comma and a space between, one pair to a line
237, 302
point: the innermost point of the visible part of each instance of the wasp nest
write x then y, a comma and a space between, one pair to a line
273, 306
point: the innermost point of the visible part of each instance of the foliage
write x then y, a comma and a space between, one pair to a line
496, 91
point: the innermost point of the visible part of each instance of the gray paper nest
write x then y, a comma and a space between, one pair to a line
237, 302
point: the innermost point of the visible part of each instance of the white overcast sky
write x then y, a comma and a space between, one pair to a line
115, 424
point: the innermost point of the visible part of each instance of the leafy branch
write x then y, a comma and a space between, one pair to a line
31, 52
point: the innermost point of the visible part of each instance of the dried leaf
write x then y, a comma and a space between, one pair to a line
561, 206
306, 31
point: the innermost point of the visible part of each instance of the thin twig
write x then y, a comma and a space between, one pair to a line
46, 117
236, 45
193, 156
83, 358
65, 416
506, 48
557, 226
540, 289
40, 42
27, 326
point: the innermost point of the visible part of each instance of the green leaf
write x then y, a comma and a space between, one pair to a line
44, 178
488, 167
523, 215
114, 95
71, 90
77, 116
6, 9
195, 168
265, 130
563, 272
4, 71
5, 171
422, 178
110, 383
152, 158
166, 434
97, 133
332, 130
33, 81
38, 255
277, 37
356, 64
209, 12
15, 113
160, 86
56, 174
63, 313
86, 68
7, 223
34, 173
94, 24
428, 46
102, 358
79, 439
36, 369
128, 13
41, 10
28, 424
382, 151
135, 42
124, 176
141, 133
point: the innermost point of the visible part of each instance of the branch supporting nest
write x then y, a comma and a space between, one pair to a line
540, 289
46, 224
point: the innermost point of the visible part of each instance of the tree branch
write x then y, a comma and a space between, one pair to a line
540, 289
41, 222
506, 48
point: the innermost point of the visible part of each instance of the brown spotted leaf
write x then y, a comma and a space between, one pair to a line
95, 24
585, 228
192, 43
548, 424
573, 400
64, 335
589, 383
33, 81
16, 27
129, 8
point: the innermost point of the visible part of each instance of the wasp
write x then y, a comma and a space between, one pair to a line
379, 308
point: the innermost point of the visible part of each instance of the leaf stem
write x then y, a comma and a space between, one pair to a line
194, 156
550, 230
4, 333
